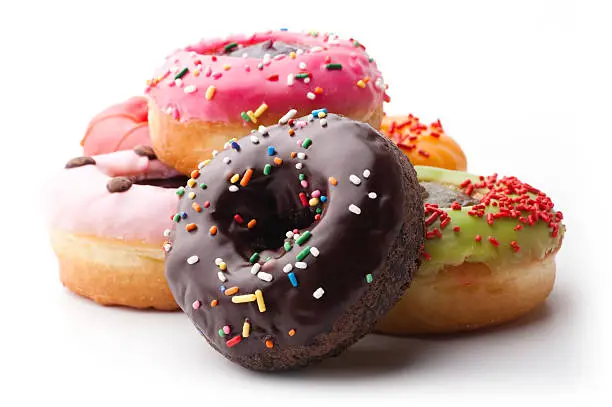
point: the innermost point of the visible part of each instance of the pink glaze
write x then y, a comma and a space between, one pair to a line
80, 202
119, 127
244, 87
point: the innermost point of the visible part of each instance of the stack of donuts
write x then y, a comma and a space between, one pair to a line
258, 186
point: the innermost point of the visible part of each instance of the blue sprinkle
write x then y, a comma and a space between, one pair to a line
316, 112
292, 278
271, 150
284, 29
184, 215
323, 198
222, 288
235, 146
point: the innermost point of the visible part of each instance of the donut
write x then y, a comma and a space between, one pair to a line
295, 241
122, 126
424, 144
219, 89
489, 254
107, 215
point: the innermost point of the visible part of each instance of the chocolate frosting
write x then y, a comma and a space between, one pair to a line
145, 151
273, 48
79, 162
361, 218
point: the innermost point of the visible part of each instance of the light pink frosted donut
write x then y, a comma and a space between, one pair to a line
107, 215
207, 93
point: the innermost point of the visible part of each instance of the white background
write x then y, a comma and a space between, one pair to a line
522, 85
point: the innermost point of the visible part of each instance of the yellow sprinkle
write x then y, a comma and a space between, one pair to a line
234, 178
191, 182
321, 115
260, 301
260, 110
191, 195
238, 299
361, 83
292, 55
210, 92
223, 266
196, 72
148, 82
252, 116
227, 67
205, 163
313, 202
246, 329
251, 223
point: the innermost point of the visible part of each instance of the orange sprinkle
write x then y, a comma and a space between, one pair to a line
333, 181
231, 291
196, 207
291, 132
278, 161
251, 223
214, 303
318, 90
269, 344
213, 230
293, 154
227, 67
366, 79
195, 174
246, 177
191, 227
291, 332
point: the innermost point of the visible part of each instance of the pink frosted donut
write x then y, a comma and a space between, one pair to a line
218, 89
107, 215
119, 127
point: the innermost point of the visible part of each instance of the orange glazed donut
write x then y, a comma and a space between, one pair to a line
119, 127
220, 89
424, 145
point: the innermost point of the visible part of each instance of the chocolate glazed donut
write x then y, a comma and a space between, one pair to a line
291, 243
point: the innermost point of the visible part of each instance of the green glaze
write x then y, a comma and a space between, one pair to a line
455, 248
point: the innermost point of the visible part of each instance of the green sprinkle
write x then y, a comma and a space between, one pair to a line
203, 186
221, 333
356, 43
245, 117
301, 76
369, 278
287, 246
302, 255
302, 177
303, 238
307, 143
333, 67
371, 59
177, 218
254, 258
181, 73
319, 210
267, 169
180, 191
230, 46
267, 259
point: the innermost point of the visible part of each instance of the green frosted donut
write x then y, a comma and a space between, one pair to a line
504, 221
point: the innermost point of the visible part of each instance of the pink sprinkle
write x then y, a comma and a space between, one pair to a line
247, 68
171, 84
206, 204
296, 231
300, 124
316, 194
279, 57
226, 330
217, 75
208, 71
196, 304
304, 184
299, 142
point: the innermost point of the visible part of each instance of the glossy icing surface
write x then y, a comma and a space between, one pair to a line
327, 200
208, 82
80, 201
119, 127
525, 226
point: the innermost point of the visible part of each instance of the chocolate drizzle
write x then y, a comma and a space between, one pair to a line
444, 196
145, 151
79, 162
354, 265
119, 184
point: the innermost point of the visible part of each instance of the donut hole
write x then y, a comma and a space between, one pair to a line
274, 203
